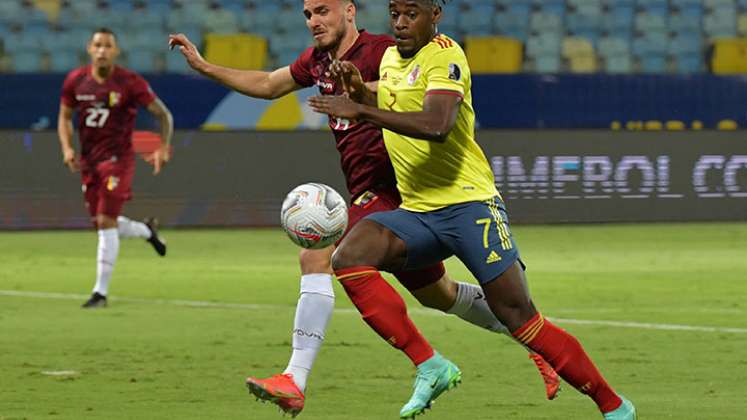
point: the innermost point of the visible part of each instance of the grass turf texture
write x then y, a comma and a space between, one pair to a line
142, 359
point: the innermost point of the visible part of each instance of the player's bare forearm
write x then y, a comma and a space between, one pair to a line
425, 125
433, 123
257, 84
165, 120
368, 96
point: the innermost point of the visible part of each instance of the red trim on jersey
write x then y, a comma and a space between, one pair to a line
445, 92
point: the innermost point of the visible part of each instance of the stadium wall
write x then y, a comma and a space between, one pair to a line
521, 101
240, 178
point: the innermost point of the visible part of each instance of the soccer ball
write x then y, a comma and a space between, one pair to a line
314, 216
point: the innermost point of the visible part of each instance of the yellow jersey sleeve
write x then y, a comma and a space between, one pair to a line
447, 68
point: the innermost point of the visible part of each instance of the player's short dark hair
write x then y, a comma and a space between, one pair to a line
104, 30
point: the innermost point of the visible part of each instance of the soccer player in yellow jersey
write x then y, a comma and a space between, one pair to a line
450, 205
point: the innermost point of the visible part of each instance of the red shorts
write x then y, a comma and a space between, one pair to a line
386, 199
107, 186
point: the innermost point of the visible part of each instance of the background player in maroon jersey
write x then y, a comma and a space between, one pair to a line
370, 180
106, 98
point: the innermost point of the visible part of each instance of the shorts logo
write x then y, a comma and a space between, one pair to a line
493, 258
112, 183
455, 73
365, 199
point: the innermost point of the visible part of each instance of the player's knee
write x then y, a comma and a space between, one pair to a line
316, 260
105, 222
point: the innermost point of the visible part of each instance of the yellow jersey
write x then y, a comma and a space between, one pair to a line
434, 175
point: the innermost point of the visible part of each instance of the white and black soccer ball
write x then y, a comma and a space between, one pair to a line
314, 216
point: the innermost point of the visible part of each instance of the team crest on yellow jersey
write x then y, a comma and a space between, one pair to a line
114, 98
413, 76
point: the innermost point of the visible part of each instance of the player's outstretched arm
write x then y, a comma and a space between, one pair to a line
65, 132
257, 84
433, 123
163, 154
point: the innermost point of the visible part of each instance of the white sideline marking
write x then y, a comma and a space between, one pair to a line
419, 311
59, 372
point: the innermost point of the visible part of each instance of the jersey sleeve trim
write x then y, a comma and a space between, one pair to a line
450, 92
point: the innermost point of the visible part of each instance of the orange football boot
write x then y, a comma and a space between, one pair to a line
549, 376
280, 390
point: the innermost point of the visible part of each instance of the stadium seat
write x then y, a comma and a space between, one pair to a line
688, 63
576, 46
742, 24
645, 22
684, 23
547, 64
239, 51
221, 21
540, 22
719, 25
581, 22
653, 63
729, 56
543, 45
583, 64
618, 19
493, 54
652, 43
141, 61
619, 64
20, 41
64, 60
27, 61
551, 7
613, 46
175, 63
685, 43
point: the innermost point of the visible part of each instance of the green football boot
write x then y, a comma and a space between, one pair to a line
435, 376
626, 411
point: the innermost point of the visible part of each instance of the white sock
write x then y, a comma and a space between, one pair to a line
131, 229
105, 259
313, 311
472, 307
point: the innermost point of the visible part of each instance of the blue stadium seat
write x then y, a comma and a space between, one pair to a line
654, 63
547, 64
742, 4
478, 19
621, 3
619, 64
684, 23
544, 44
619, 19
175, 63
678, 4
141, 61
18, 42
654, 43
578, 22
146, 19
234, 6
654, 7
645, 22
160, 7
27, 61
551, 7
287, 57
511, 22
719, 25
121, 6
285, 41
545, 22
686, 43
689, 63
613, 46
62, 60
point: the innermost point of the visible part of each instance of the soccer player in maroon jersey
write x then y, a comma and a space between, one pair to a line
106, 98
371, 183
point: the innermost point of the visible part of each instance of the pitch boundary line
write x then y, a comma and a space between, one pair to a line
419, 311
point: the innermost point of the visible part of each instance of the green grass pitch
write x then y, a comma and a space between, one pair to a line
149, 357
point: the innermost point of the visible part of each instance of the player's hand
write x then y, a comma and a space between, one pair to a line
349, 77
70, 160
159, 158
188, 49
336, 106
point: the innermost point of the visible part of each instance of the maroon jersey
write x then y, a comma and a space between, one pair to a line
364, 159
106, 111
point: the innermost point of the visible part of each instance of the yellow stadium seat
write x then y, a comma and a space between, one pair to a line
730, 56
727, 125
494, 54
238, 51
742, 24
50, 7
574, 46
583, 63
